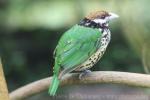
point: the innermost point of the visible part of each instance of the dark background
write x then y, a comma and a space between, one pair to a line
30, 30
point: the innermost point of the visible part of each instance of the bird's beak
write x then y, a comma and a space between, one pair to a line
113, 16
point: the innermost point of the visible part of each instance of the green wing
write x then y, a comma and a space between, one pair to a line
76, 46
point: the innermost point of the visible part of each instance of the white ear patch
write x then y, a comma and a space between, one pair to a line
99, 21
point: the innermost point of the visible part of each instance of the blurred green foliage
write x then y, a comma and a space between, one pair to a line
30, 30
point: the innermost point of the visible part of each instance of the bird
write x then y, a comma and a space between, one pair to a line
81, 47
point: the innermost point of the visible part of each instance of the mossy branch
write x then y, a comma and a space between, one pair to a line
131, 79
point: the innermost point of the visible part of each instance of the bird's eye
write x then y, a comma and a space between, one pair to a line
103, 17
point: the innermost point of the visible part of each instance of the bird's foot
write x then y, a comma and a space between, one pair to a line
84, 73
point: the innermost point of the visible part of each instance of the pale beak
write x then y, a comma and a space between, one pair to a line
113, 16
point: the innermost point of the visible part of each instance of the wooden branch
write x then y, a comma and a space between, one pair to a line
131, 79
3, 86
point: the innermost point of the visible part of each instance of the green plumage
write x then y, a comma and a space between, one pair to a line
53, 88
75, 47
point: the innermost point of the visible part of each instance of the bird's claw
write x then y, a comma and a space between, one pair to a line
84, 73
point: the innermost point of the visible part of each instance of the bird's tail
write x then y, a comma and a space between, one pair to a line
54, 86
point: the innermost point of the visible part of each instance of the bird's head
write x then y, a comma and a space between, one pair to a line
101, 17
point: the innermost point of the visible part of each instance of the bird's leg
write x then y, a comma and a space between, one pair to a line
84, 73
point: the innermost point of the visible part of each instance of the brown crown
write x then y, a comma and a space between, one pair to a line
97, 14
